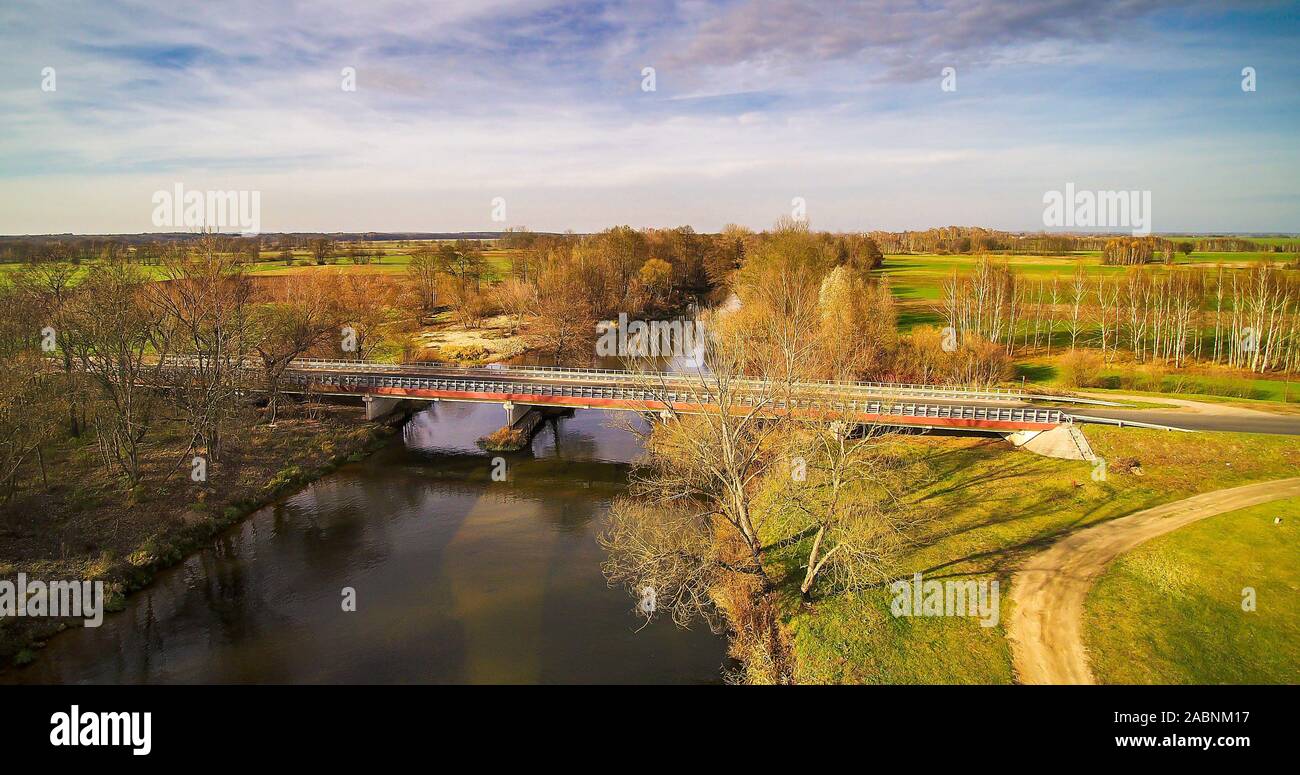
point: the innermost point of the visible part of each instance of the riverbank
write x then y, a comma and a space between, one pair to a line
79, 522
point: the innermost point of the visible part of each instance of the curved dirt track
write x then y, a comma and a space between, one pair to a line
1046, 628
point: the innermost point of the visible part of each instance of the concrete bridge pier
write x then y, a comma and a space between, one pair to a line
522, 421
515, 412
378, 406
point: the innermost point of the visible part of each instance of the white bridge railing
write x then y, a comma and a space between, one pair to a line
661, 378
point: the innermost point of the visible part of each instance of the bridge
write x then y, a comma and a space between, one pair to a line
518, 389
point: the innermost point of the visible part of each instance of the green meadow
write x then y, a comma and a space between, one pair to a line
1171, 611
919, 277
394, 260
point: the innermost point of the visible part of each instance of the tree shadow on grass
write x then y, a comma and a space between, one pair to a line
1036, 372
1004, 560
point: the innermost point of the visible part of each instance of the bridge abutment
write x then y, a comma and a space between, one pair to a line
1065, 442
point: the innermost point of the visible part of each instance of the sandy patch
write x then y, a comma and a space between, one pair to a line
492, 341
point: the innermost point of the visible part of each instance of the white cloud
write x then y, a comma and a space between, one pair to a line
462, 101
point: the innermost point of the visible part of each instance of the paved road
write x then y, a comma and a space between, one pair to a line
1258, 422
1048, 592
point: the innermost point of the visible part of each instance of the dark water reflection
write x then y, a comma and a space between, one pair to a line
458, 578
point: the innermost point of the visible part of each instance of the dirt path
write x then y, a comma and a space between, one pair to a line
1046, 627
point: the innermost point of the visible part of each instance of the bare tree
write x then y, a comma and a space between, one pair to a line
365, 303
1078, 297
847, 500
31, 400
298, 315
564, 316
45, 289
515, 297
322, 250
117, 341
204, 305
424, 272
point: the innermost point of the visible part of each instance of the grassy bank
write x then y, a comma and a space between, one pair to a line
981, 507
81, 524
1170, 611
1203, 382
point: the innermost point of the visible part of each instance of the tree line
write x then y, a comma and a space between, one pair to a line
1247, 318
943, 240
976, 240
150, 250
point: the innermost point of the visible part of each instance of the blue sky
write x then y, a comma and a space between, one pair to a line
540, 103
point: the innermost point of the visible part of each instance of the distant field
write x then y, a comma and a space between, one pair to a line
1234, 258
920, 276
394, 260
1275, 240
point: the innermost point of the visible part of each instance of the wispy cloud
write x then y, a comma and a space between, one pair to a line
906, 41
539, 101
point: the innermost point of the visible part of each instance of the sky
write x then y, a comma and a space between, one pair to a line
473, 115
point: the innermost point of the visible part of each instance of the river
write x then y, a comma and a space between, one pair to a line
457, 578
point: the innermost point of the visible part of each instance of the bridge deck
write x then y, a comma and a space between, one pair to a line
896, 405
612, 377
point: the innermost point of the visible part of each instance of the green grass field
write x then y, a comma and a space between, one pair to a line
395, 259
1270, 240
920, 277
1170, 611
986, 506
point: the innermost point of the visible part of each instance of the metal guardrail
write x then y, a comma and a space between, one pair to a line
824, 387
468, 384
1132, 423
1072, 400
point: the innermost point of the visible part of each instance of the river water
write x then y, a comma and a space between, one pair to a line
458, 578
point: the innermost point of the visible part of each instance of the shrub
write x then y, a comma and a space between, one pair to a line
469, 352
286, 476
1149, 378
979, 362
505, 439
1226, 386
1080, 368
1127, 465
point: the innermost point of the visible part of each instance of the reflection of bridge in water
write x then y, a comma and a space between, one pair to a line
518, 389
